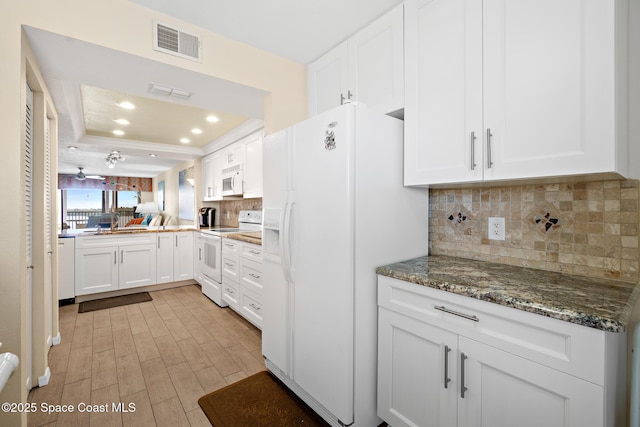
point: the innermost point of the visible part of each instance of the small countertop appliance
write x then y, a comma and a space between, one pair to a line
207, 217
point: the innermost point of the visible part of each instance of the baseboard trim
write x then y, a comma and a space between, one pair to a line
56, 340
44, 380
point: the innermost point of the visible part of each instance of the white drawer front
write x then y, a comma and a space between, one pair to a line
230, 294
252, 252
571, 348
251, 275
230, 246
230, 267
251, 308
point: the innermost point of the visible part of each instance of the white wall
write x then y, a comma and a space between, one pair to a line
171, 205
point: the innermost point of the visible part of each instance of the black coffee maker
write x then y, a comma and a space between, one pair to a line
207, 217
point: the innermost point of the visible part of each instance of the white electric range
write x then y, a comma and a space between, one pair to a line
209, 257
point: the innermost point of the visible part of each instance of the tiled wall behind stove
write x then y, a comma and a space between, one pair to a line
589, 229
230, 209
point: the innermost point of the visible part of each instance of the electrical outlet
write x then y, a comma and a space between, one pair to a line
496, 228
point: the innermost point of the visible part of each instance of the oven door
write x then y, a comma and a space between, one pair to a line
212, 257
232, 181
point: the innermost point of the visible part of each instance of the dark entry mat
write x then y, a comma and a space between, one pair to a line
260, 400
101, 304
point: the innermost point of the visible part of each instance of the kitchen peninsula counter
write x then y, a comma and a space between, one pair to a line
597, 303
125, 230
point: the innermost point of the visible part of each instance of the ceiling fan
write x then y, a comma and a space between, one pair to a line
80, 176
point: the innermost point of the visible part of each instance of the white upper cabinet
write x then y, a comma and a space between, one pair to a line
212, 176
367, 68
327, 80
252, 185
499, 90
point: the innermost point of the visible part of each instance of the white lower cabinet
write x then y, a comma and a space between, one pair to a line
443, 362
175, 256
109, 263
182, 255
165, 257
242, 279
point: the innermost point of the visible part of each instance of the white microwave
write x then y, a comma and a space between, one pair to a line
232, 181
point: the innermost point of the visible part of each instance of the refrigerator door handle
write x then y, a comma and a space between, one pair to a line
286, 256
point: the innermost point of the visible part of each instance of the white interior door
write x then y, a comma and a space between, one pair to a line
322, 260
28, 193
48, 219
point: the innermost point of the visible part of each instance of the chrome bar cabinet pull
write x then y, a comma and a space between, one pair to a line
447, 380
473, 150
463, 357
456, 313
489, 136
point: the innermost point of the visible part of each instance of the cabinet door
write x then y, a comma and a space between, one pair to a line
443, 91
549, 87
504, 390
252, 186
414, 359
66, 268
376, 63
183, 255
96, 270
165, 258
198, 258
327, 80
137, 265
207, 178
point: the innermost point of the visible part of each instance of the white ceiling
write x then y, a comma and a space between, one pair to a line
301, 30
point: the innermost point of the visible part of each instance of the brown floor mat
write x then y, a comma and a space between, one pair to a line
258, 400
101, 304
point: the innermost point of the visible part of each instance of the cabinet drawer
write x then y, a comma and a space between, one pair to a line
230, 294
250, 307
251, 275
252, 252
230, 266
571, 348
230, 246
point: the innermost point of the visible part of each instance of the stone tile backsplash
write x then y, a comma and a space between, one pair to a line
589, 228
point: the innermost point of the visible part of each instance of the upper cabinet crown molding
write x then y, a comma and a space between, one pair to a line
368, 68
534, 90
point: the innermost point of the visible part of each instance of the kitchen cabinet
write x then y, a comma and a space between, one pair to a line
175, 256
250, 283
449, 360
242, 279
252, 185
183, 255
532, 90
367, 68
66, 268
232, 155
108, 263
212, 177
230, 272
165, 258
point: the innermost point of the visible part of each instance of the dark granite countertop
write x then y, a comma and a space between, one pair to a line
596, 303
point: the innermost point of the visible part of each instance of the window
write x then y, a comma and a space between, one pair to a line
78, 205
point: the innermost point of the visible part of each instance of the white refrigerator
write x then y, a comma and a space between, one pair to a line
335, 208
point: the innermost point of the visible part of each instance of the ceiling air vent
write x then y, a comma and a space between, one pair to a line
175, 42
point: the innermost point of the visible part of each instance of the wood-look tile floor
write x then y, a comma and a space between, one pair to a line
161, 356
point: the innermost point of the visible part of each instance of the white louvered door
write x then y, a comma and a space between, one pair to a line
48, 220
28, 214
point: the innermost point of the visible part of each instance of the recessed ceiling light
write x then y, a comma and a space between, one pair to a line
196, 131
185, 140
118, 132
212, 119
153, 155
72, 147
122, 121
126, 105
